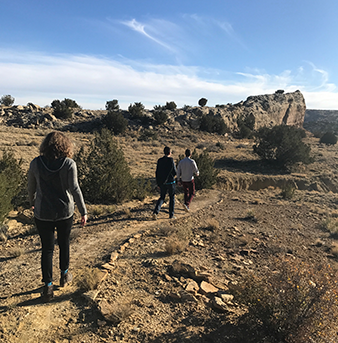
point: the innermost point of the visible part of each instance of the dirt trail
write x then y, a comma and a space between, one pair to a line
24, 318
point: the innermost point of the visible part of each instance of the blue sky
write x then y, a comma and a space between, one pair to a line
158, 51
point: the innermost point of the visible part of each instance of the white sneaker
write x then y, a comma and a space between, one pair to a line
154, 216
173, 217
186, 208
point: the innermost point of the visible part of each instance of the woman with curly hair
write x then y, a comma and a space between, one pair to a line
52, 189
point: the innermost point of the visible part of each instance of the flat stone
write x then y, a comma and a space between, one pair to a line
227, 298
108, 266
207, 288
192, 287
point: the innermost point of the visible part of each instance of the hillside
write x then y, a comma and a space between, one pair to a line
146, 294
321, 121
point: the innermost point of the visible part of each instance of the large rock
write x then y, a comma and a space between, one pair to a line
268, 110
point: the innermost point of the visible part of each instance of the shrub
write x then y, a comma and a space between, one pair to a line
11, 181
115, 122
295, 303
112, 105
160, 117
170, 106
246, 126
137, 110
205, 164
159, 108
104, 174
202, 102
174, 245
288, 191
212, 124
64, 109
148, 135
283, 145
88, 279
329, 138
7, 100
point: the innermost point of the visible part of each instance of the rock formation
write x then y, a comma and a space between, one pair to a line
267, 110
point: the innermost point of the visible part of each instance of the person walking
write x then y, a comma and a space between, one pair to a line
165, 179
185, 176
52, 189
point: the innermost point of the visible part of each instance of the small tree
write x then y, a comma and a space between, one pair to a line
283, 145
202, 102
7, 100
112, 105
64, 109
171, 105
160, 117
246, 126
104, 174
115, 122
11, 179
136, 110
329, 138
213, 124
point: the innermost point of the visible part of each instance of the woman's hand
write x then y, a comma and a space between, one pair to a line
84, 220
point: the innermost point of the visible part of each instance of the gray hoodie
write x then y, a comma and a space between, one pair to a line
53, 187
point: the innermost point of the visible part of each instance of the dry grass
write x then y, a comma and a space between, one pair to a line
174, 245
88, 279
212, 225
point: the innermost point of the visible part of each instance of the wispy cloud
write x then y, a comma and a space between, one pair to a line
141, 28
91, 81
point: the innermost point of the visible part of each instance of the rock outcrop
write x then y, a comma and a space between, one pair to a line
266, 110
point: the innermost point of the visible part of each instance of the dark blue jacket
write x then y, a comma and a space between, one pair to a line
165, 171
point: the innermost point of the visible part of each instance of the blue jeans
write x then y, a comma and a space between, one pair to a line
170, 188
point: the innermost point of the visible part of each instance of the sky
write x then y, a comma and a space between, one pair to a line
159, 51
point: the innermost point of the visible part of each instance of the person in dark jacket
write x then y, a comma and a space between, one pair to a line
165, 179
53, 190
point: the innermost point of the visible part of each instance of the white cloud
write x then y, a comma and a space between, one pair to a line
91, 81
141, 28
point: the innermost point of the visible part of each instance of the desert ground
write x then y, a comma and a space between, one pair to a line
145, 292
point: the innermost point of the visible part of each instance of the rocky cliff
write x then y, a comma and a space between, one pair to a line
267, 110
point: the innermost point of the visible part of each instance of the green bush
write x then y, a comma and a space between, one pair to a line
104, 174
11, 182
115, 122
7, 100
202, 102
246, 126
293, 303
136, 110
282, 145
170, 106
329, 138
205, 165
148, 135
160, 117
112, 105
212, 124
64, 109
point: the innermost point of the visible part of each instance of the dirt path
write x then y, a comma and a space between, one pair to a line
24, 318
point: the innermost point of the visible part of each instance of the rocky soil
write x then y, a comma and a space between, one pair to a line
166, 280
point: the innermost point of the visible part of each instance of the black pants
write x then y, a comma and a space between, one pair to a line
46, 231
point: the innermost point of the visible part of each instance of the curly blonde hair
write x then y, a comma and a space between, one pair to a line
56, 145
